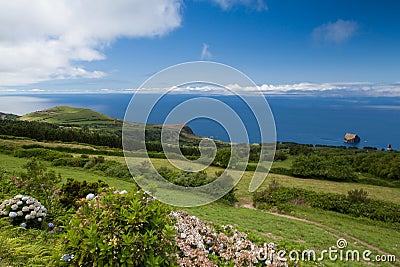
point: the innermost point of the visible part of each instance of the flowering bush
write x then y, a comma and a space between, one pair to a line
202, 244
119, 229
24, 211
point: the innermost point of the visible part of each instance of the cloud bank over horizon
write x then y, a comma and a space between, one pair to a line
354, 89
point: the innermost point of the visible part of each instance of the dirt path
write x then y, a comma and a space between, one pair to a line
326, 229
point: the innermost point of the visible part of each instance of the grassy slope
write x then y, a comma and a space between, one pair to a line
95, 121
15, 164
69, 115
268, 226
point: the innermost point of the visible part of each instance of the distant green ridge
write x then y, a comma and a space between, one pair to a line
69, 115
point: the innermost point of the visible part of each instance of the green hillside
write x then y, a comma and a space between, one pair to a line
92, 121
70, 115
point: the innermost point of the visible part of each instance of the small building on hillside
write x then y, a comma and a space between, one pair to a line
3, 117
389, 148
351, 138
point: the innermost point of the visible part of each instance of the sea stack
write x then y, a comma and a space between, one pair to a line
351, 138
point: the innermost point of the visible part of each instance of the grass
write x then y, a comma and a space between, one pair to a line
383, 235
302, 234
15, 164
376, 192
69, 115
320, 233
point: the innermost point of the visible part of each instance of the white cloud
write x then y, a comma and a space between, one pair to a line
42, 40
205, 53
321, 89
307, 89
336, 32
258, 5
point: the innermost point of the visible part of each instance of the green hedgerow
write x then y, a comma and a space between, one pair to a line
115, 229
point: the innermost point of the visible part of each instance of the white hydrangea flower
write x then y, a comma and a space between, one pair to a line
12, 214
19, 203
25, 198
20, 213
90, 196
18, 196
27, 217
25, 209
14, 207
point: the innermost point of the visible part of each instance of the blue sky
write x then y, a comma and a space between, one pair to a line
81, 46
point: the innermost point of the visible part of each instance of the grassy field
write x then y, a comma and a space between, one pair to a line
307, 234
376, 192
16, 164
69, 115
304, 228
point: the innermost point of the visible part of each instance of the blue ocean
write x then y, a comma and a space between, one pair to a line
301, 119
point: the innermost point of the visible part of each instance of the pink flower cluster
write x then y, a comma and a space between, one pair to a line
201, 244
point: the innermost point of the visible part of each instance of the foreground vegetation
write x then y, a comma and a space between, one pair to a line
96, 215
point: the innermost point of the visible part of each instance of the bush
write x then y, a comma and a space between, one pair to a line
40, 153
332, 168
73, 190
274, 185
368, 208
24, 211
280, 156
70, 162
120, 230
8, 185
39, 181
357, 195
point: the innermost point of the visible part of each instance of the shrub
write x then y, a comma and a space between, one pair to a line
8, 184
40, 153
280, 156
74, 190
70, 162
38, 181
120, 230
357, 195
274, 185
24, 211
332, 168
368, 208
